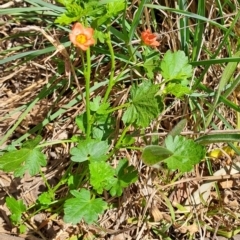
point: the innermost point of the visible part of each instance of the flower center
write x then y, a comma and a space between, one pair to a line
81, 38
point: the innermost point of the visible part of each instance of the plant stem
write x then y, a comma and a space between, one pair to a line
46, 182
132, 53
45, 144
111, 79
82, 176
87, 75
118, 107
135, 148
118, 144
64, 178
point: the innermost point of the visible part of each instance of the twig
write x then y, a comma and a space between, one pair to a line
204, 178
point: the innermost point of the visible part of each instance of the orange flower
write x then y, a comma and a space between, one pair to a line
81, 37
149, 38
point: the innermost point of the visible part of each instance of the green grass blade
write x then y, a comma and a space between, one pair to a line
59, 112
47, 5
169, 206
215, 61
19, 11
136, 20
225, 39
32, 54
228, 125
184, 29
118, 34
218, 138
198, 106
234, 84
220, 11
187, 14
199, 31
227, 74
222, 98
43, 93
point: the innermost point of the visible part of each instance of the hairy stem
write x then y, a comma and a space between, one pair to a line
87, 75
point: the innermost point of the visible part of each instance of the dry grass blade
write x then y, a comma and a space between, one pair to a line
161, 204
59, 49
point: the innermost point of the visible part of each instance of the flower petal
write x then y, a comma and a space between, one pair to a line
149, 38
79, 33
72, 38
88, 32
77, 28
83, 47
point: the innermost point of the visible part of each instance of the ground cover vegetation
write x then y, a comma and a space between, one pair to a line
120, 119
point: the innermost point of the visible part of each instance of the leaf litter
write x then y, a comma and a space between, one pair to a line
141, 207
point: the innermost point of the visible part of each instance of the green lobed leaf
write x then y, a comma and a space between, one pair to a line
99, 35
45, 198
79, 12
82, 207
94, 9
11, 161
97, 106
22, 228
73, 13
81, 121
111, 9
101, 176
150, 68
103, 126
103, 108
65, 19
16, 208
175, 66
32, 143
151, 62
64, 2
186, 153
73, 181
35, 160
126, 175
127, 140
19, 161
176, 89
115, 7
144, 105
92, 150
95, 103
101, 20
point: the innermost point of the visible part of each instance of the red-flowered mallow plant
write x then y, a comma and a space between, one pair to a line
149, 39
81, 36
